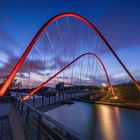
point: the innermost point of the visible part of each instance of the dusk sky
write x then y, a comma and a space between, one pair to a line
118, 21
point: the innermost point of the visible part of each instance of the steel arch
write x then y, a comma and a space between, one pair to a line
52, 77
21, 60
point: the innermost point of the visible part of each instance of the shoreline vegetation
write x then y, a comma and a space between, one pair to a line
128, 96
126, 93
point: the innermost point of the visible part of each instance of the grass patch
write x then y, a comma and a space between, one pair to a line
126, 93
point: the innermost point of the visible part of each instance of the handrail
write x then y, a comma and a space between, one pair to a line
57, 124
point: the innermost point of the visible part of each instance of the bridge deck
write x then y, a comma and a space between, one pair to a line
38, 102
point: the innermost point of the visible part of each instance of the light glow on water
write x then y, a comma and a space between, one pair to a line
99, 122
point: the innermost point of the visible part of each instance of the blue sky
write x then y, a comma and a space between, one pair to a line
118, 20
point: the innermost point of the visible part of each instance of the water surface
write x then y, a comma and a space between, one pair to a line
99, 122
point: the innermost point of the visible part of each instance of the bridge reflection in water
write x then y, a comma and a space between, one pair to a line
99, 122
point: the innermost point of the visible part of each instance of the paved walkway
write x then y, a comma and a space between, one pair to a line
5, 131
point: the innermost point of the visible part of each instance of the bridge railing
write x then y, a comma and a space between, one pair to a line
49, 99
40, 126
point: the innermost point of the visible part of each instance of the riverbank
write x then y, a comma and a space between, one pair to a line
126, 105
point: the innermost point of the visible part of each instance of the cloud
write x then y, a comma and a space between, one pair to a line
34, 66
60, 62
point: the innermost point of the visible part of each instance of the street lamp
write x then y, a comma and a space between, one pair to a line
103, 85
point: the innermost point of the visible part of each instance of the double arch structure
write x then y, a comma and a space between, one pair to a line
52, 77
25, 54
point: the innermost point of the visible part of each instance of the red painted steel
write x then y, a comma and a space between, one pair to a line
92, 54
20, 62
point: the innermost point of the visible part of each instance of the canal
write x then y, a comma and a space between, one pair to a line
99, 122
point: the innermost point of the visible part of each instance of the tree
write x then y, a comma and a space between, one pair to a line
14, 85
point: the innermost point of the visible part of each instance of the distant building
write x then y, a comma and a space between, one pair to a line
51, 90
60, 86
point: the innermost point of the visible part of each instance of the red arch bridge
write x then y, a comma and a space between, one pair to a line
81, 33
